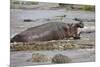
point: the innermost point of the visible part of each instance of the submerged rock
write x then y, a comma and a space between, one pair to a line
27, 20
36, 57
59, 58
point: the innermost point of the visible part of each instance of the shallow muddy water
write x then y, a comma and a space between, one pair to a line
19, 58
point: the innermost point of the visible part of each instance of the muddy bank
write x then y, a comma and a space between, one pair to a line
53, 45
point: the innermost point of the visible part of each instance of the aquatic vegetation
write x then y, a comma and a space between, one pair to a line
88, 8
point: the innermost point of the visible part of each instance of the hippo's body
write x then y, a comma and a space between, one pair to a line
48, 31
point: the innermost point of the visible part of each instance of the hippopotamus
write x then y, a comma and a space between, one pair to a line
49, 31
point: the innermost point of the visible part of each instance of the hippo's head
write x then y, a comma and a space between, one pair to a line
71, 30
80, 25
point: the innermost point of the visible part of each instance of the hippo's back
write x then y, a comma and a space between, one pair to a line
38, 33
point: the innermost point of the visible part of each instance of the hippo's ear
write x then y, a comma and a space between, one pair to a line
68, 24
81, 24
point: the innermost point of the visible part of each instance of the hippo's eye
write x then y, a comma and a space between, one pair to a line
65, 28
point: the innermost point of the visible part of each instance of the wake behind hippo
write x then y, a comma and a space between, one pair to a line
49, 31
